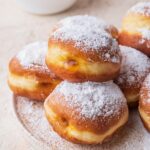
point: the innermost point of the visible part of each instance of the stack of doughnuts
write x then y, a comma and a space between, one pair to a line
85, 78
86, 107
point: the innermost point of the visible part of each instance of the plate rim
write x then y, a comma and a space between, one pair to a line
27, 133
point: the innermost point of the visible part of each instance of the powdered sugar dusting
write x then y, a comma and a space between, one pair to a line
135, 66
36, 119
145, 33
142, 8
92, 99
33, 54
88, 33
147, 81
145, 36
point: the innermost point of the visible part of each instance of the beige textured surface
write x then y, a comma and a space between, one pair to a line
18, 28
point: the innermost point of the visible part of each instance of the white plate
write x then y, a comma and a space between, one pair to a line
40, 135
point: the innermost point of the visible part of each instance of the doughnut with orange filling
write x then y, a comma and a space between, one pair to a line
29, 75
83, 48
134, 68
88, 112
135, 31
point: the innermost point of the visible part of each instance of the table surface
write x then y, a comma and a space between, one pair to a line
18, 28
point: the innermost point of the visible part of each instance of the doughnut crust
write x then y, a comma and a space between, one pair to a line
83, 48
134, 68
135, 31
144, 103
29, 76
88, 112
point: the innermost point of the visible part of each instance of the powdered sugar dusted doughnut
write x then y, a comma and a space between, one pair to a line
33, 54
144, 103
86, 112
135, 30
28, 73
134, 68
82, 47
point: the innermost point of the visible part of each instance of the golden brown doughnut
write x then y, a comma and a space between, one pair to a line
83, 48
134, 68
135, 31
29, 75
144, 103
88, 112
